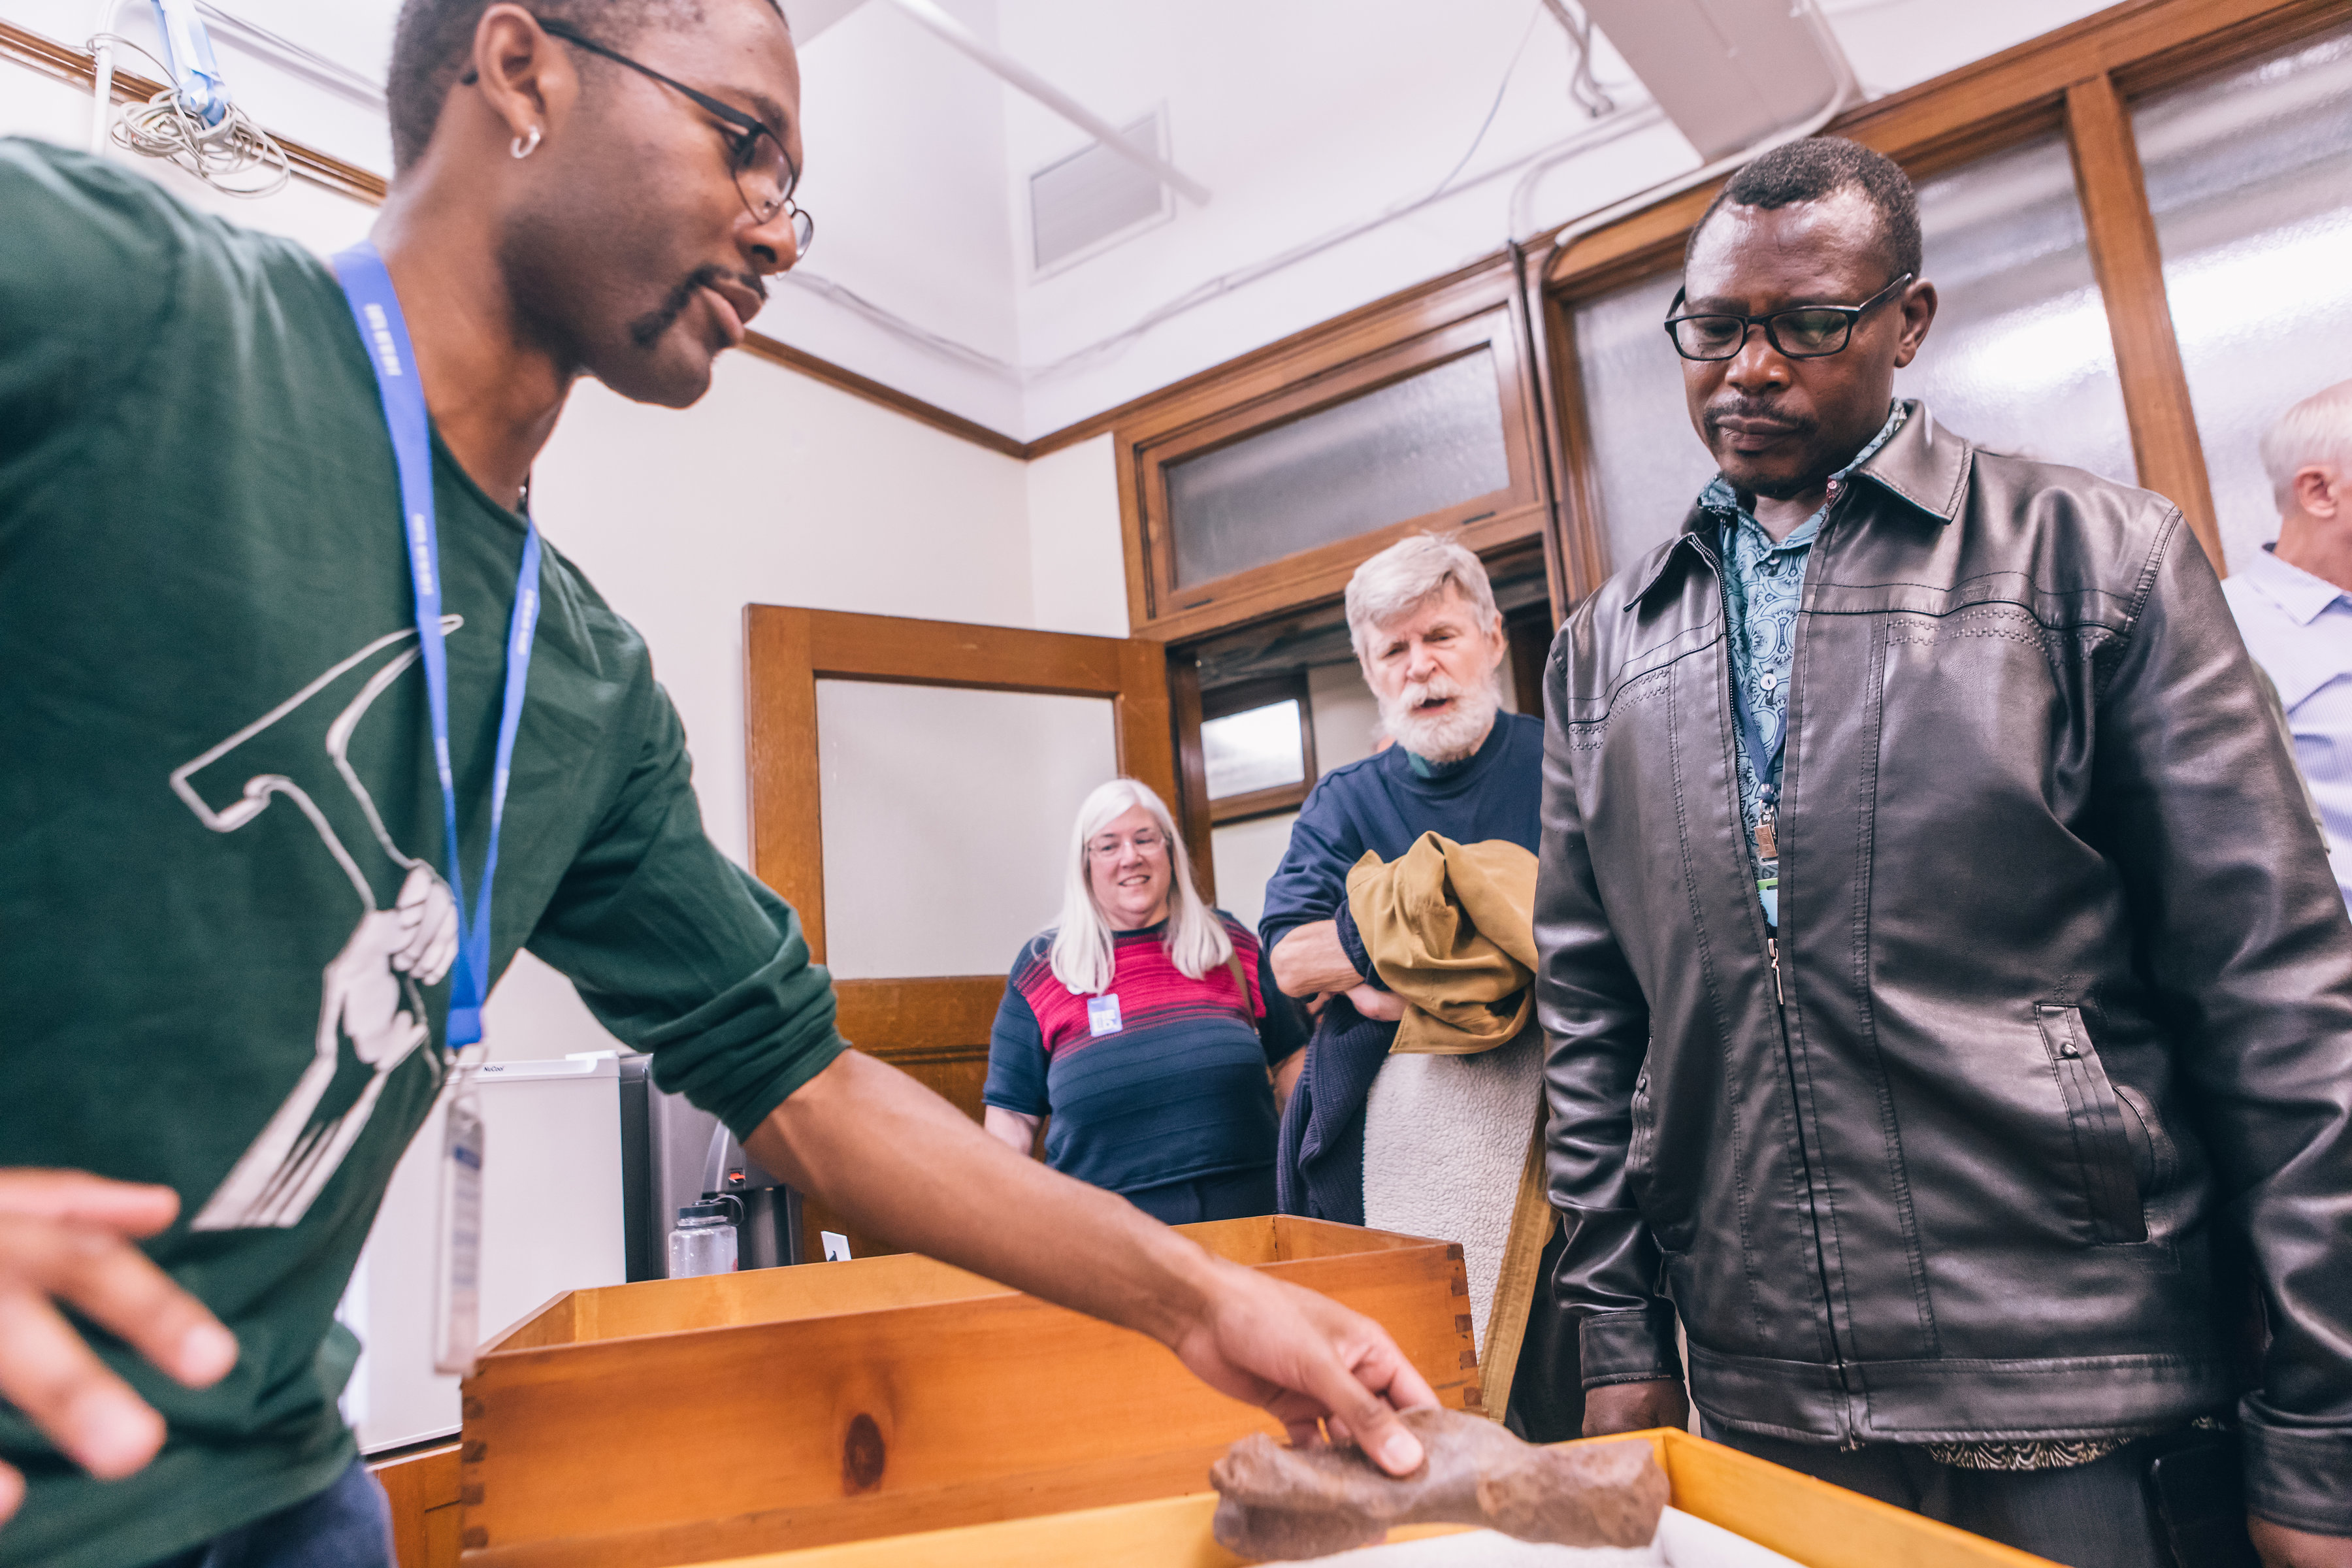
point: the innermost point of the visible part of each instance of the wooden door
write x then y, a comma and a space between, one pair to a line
934, 1026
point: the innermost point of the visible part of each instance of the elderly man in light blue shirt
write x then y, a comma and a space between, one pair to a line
2294, 602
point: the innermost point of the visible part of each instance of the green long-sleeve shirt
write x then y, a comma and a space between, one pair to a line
205, 607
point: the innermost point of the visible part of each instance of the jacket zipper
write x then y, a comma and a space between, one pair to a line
1780, 997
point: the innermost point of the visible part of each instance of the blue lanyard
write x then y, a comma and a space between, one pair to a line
1767, 764
376, 309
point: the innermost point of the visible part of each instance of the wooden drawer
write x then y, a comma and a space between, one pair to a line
681, 1421
1806, 1520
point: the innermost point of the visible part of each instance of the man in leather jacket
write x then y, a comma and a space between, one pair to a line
1949, 1004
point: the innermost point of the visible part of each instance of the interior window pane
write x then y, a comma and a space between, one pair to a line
2249, 176
1253, 750
1652, 465
1417, 446
2019, 359
947, 818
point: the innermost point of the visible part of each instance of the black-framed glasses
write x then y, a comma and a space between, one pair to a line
765, 174
1803, 332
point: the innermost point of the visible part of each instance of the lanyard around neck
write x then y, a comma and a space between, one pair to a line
375, 307
1767, 764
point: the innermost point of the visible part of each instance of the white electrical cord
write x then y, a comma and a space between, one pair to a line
236, 156
1581, 86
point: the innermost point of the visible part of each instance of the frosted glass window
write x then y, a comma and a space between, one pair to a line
1651, 463
2019, 359
947, 818
1257, 749
2249, 177
1430, 441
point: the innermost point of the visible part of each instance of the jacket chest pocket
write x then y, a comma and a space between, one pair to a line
2102, 1145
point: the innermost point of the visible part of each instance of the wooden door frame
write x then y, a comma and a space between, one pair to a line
787, 650
934, 1026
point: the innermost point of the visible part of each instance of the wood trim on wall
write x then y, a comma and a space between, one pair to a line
2129, 266
63, 62
1191, 804
788, 650
421, 1487
68, 64
1981, 107
933, 1027
1472, 310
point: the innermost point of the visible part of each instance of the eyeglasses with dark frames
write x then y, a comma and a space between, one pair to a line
1803, 332
765, 174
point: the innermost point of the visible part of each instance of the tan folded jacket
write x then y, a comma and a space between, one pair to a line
1451, 928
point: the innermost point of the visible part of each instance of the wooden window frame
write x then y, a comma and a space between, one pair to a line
2079, 79
1481, 307
1240, 697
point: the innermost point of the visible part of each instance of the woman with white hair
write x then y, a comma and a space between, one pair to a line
1137, 1021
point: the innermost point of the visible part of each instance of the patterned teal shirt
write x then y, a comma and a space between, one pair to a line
1763, 583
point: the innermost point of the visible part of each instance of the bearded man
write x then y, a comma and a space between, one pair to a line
1423, 619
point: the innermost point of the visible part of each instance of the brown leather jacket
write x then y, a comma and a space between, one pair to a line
2068, 1014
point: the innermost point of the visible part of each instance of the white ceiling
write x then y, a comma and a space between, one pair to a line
1323, 128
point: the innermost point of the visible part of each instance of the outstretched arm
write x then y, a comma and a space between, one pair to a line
875, 1146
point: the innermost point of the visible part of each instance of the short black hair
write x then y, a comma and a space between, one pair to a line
431, 41
1821, 166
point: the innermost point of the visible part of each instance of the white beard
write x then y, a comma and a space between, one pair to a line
1448, 736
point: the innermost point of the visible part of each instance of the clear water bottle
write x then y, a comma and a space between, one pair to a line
704, 1241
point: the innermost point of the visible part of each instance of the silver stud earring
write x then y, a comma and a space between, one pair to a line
524, 146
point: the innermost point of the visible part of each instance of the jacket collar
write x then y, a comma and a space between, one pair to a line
2300, 595
1922, 464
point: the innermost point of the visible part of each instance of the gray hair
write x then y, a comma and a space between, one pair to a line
2317, 431
1399, 579
1195, 939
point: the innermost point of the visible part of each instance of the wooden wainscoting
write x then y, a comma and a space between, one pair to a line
421, 1483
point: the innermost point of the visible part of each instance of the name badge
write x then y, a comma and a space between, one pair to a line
1102, 1016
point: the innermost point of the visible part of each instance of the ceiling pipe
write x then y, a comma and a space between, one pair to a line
955, 34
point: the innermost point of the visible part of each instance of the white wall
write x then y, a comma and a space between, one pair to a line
1305, 119
774, 488
1078, 561
32, 104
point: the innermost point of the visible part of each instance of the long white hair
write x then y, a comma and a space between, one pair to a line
1195, 939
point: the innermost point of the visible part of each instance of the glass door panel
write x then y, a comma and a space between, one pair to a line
2019, 359
2250, 178
947, 820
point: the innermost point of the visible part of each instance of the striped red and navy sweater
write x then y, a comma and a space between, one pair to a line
1175, 1091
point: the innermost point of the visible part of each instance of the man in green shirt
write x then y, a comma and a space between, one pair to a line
230, 926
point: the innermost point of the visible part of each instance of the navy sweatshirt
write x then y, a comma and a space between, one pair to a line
1384, 803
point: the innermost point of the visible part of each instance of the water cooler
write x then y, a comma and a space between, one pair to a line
672, 1155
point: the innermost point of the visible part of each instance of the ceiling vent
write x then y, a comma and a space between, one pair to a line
1728, 73
1091, 200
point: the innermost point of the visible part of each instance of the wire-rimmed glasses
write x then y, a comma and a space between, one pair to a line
765, 174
